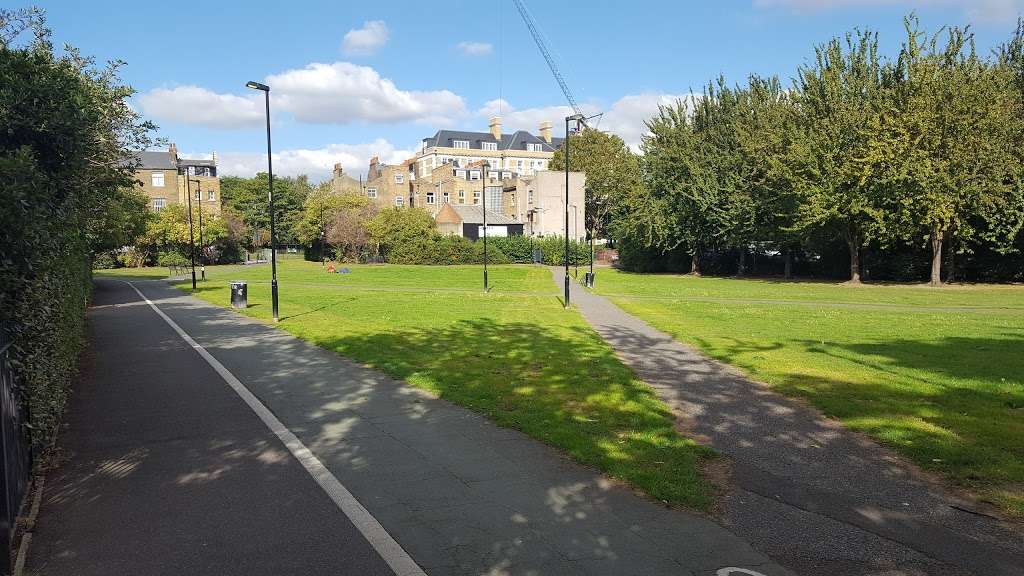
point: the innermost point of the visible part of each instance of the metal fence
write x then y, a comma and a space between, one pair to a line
16, 447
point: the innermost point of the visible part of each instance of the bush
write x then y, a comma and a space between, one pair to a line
66, 130
172, 259
105, 261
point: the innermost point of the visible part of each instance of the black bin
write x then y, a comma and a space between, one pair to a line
239, 295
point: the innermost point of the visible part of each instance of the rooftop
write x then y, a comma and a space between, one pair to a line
474, 214
515, 141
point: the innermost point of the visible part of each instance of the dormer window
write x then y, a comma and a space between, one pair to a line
488, 145
464, 144
532, 147
474, 174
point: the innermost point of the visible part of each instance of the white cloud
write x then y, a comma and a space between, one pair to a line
475, 48
528, 119
625, 118
338, 93
366, 40
343, 92
316, 163
195, 105
628, 115
988, 11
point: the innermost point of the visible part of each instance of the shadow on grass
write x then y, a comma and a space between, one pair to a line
954, 405
561, 385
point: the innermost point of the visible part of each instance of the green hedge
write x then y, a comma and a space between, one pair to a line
451, 250
519, 249
67, 194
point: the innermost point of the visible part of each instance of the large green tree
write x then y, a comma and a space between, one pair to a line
66, 131
839, 98
249, 197
612, 170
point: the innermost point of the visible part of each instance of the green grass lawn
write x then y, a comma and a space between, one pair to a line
514, 354
936, 373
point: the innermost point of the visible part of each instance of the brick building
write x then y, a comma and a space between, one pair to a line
162, 176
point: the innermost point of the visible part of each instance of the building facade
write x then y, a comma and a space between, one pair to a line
538, 201
520, 152
388, 185
165, 179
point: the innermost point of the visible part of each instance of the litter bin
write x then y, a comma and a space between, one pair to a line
538, 256
239, 295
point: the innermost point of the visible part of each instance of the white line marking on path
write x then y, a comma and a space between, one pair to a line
390, 550
730, 570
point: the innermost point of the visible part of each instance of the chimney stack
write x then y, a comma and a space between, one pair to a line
496, 127
214, 157
545, 131
338, 170
173, 151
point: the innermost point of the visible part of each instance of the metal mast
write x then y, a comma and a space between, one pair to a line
539, 39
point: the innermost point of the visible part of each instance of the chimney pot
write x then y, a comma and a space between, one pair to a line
496, 127
545, 131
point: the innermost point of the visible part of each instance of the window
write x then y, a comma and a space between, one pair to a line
506, 175
446, 198
531, 147
529, 196
371, 192
476, 197
519, 165
399, 201
430, 197
474, 174
158, 179
489, 145
210, 196
159, 203
462, 196
542, 165
399, 178
460, 144
460, 173
199, 195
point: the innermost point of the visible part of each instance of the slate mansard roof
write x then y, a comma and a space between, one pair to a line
515, 141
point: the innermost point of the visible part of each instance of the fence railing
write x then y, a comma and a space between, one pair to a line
16, 448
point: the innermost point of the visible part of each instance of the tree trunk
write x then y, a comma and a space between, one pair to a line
695, 262
788, 273
853, 243
742, 269
951, 271
936, 241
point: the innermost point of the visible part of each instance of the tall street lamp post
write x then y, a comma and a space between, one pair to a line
575, 236
483, 182
270, 176
191, 233
577, 118
202, 243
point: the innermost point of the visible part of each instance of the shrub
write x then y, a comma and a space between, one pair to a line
105, 261
172, 259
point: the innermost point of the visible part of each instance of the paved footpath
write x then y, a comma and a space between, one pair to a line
818, 498
231, 447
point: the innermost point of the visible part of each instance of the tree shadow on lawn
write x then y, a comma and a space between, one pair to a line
562, 385
954, 405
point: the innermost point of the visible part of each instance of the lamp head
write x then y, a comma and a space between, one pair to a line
257, 86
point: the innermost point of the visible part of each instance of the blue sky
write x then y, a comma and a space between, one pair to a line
353, 79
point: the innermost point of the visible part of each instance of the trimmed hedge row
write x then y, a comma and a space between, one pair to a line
452, 250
